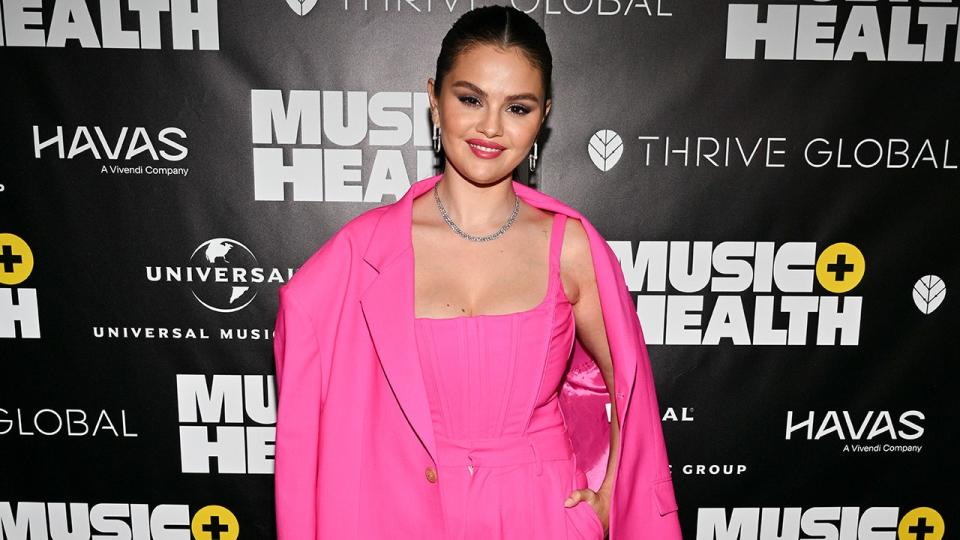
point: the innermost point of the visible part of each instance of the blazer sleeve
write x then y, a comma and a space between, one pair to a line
652, 514
664, 519
303, 344
296, 448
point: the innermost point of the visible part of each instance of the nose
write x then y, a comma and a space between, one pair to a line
491, 125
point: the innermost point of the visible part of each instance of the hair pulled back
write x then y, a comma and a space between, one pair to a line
501, 26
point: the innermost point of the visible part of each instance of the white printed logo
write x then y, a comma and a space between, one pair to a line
605, 149
301, 7
343, 146
756, 284
18, 305
231, 420
72, 23
223, 275
928, 293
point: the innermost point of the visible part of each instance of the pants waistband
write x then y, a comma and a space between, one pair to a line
548, 445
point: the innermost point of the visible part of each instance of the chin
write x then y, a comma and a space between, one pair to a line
483, 172
488, 178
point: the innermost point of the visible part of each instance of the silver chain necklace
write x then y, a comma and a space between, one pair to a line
459, 231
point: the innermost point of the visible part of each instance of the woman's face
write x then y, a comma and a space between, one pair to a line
491, 98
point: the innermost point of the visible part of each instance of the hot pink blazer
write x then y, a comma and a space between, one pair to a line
354, 433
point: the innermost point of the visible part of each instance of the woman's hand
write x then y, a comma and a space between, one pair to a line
599, 501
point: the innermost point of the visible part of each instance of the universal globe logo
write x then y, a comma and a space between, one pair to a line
223, 255
223, 275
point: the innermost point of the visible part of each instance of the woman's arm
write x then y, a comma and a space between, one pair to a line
580, 281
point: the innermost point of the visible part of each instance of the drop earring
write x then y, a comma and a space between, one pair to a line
436, 138
532, 158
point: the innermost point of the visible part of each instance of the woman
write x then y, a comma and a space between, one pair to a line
407, 345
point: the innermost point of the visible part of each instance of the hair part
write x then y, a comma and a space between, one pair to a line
499, 26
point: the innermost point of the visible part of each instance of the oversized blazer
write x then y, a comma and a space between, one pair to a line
354, 436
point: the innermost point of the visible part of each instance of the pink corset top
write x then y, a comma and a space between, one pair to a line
505, 461
490, 376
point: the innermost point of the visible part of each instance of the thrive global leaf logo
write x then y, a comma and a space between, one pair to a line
928, 292
605, 149
301, 7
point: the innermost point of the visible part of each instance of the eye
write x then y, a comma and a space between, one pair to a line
472, 101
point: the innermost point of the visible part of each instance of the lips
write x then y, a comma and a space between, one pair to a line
485, 149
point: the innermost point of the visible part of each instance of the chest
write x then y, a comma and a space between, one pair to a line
456, 277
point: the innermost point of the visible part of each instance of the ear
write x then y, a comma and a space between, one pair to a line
434, 111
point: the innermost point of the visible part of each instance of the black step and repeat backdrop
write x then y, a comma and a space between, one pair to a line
778, 180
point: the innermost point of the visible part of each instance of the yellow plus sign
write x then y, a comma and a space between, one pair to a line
16, 259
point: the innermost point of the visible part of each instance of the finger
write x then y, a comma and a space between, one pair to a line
578, 495
575, 497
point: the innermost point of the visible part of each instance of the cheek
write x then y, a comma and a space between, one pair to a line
458, 122
522, 132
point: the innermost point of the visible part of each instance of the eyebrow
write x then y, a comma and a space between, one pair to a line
514, 97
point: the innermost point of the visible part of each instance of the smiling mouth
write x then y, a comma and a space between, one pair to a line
485, 148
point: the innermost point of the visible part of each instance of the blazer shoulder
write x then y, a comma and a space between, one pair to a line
336, 256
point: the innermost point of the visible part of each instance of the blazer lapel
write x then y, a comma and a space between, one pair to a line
388, 306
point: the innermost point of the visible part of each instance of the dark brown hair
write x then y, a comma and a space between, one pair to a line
501, 26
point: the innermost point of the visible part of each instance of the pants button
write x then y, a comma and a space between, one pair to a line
431, 475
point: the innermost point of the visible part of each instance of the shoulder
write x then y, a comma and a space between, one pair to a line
576, 261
